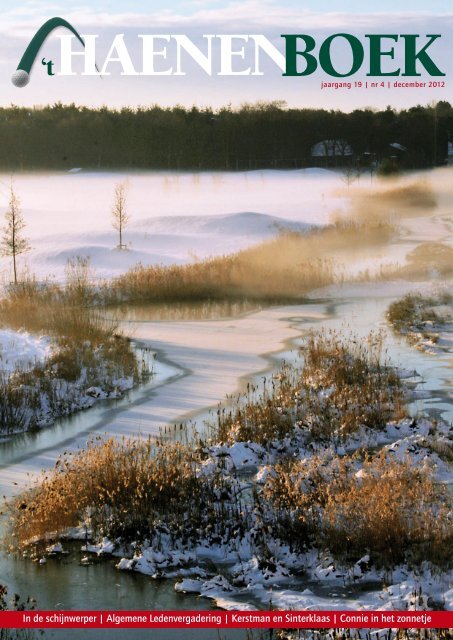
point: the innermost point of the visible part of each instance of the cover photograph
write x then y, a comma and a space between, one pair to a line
226, 320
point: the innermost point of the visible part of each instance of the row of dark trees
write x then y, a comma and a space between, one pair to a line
254, 136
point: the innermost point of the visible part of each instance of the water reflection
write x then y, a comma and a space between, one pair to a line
181, 311
65, 584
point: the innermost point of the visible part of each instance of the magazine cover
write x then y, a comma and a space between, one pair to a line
226, 319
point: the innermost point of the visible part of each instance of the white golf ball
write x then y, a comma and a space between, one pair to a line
20, 78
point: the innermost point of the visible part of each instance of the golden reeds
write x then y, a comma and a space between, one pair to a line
345, 384
392, 510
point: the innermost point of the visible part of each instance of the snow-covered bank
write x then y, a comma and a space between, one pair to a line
43, 378
426, 321
22, 350
436, 338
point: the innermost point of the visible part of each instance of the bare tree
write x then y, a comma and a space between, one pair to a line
13, 243
119, 212
350, 174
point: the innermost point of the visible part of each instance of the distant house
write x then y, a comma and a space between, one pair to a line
328, 152
331, 149
396, 153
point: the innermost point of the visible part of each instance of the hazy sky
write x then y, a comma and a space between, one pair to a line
319, 18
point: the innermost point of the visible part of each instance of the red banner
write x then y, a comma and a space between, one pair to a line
227, 619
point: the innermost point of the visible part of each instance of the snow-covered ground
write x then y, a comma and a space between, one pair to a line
434, 335
174, 216
22, 350
180, 216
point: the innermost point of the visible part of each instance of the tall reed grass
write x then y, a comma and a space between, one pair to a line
125, 487
345, 383
16, 604
392, 510
284, 268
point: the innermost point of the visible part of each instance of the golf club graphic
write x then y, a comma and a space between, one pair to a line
21, 76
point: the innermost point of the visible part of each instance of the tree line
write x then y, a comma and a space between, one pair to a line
263, 135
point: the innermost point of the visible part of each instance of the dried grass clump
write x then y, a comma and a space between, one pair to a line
347, 383
391, 509
344, 383
262, 414
229, 277
123, 486
386, 204
58, 386
62, 311
413, 310
428, 261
